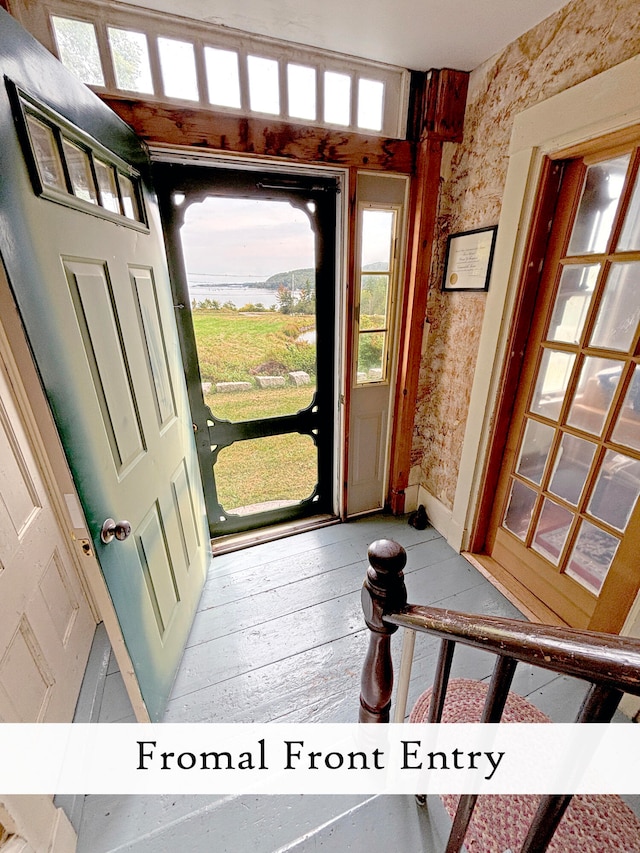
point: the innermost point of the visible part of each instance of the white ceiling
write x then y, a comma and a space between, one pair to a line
417, 34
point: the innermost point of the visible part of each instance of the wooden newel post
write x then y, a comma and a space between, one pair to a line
383, 591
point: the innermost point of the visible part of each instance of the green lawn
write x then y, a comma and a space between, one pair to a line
230, 346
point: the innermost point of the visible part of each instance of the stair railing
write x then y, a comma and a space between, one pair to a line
610, 663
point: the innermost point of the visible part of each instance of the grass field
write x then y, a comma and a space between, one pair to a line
230, 346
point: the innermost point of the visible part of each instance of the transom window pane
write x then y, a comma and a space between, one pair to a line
178, 65
45, 150
571, 468
592, 556
572, 302
80, 172
553, 379
598, 205
337, 98
130, 53
370, 104
78, 49
597, 384
627, 428
223, 77
616, 490
264, 85
534, 451
619, 310
301, 89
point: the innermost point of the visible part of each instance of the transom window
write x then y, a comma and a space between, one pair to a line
137, 51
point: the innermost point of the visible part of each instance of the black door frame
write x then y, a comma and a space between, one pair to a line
316, 195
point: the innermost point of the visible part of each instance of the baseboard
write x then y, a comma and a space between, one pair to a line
439, 514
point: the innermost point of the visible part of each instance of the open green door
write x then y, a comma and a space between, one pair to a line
80, 238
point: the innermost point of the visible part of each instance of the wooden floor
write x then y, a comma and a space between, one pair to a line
279, 636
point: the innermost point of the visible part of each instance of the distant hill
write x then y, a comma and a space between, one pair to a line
292, 280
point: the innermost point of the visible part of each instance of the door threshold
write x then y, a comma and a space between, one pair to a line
527, 603
238, 541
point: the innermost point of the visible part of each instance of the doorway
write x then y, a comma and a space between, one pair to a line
253, 260
566, 517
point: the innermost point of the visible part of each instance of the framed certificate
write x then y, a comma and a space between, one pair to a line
469, 258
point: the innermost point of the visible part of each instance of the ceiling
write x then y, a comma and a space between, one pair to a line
417, 34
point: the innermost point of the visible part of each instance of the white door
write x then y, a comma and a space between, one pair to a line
46, 623
84, 255
379, 251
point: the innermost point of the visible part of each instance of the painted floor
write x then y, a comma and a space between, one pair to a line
279, 637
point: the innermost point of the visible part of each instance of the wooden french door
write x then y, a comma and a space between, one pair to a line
566, 519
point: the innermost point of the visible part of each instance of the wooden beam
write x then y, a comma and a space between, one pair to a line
158, 123
445, 95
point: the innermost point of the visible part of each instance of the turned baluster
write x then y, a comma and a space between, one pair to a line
383, 591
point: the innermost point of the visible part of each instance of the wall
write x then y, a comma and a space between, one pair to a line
581, 40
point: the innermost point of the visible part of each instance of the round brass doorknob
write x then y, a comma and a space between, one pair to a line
114, 530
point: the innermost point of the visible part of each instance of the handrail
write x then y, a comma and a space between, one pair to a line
609, 662
601, 658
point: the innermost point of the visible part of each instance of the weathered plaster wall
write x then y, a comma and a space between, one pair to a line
581, 40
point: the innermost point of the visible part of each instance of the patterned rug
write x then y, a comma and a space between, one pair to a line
591, 824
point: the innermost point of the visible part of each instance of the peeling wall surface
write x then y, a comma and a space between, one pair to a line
578, 42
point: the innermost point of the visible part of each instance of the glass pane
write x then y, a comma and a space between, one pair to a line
619, 309
598, 204
597, 384
592, 556
616, 490
571, 467
370, 356
129, 198
535, 450
107, 185
223, 77
80, 172
370, 101
374, 295
572, 302
45, 151
377, 239
251, 274
264, 85
627, 427
178, 66
630, 236
301, 89
337, 98
78, 49
553, 377
519, 509
552, 531
130, 53
266, 473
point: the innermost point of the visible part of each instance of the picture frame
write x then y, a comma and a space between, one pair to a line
468, 260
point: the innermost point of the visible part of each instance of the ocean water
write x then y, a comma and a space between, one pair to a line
237, 294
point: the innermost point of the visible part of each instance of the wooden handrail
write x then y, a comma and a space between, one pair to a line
609, 662
599, 658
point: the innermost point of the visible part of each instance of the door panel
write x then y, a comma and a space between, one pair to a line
92, 287
264, 429
46, 624
566, 511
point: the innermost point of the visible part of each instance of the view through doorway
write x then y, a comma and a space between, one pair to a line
254, 259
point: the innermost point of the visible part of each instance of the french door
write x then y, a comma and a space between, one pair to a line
253, 261
566, 520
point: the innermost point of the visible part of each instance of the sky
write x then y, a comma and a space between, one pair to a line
232, 240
